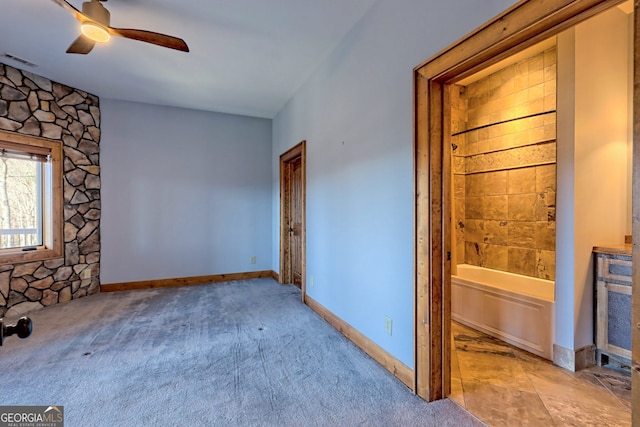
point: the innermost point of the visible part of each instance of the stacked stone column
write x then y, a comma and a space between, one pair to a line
33, 105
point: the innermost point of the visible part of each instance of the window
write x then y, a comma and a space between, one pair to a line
30, 198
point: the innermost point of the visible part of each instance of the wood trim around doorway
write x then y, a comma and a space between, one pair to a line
285, 273
523, 25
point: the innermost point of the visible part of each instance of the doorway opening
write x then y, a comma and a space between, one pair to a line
292, 216
520, 27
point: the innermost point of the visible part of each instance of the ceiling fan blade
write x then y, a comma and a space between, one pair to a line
150, 37
72, 10
82, 45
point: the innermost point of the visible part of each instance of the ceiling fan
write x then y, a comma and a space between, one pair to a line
94, 25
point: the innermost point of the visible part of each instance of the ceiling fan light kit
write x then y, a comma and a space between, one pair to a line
95, 32
95, 27
100, 18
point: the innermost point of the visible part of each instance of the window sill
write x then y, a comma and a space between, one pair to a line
39, 254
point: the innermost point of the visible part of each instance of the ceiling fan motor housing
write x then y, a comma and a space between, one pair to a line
96, 11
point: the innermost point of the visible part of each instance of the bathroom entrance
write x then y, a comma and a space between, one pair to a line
503, 157
488, 148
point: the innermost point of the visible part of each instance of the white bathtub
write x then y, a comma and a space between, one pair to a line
514, 308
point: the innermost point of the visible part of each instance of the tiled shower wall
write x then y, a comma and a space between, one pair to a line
504, 157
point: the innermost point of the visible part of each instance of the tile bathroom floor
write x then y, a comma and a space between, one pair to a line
505, 386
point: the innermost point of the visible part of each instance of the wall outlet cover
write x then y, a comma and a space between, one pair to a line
388, 325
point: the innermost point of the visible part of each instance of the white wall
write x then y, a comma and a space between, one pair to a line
184, 192
356, 114
592, 163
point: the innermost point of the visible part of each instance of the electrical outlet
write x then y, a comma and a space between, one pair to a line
311, 283
86, 273
388, 325
253, 260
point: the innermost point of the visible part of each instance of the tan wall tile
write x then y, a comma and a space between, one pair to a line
460, 254
522, 261
515, 112
546, 178
458, 123
460, 240
459, 229
517, 139
522, 180
486, 146
475, 184
495, 144
495, 207
550, 73
472, 136
474, 207
550, 87
494, 80
518, 98
507, 87
461, 142
536, 62
484, 134
459, 164
522, 207
520, 82
508, 159
474, 230
496, 232
546, 265
496, 183
550, 131
545, 206
536, 77
536, 92
522, 234
479, 99
472, 121
550, 102
473, 147
496, 257
536, 135
497, 130
472, 90
459, 208
458, 97
550, 56
550, 118
495, 116
459, 185
546, 236
474, 253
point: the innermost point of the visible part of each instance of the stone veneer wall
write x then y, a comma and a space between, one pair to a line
33, 105
505, 172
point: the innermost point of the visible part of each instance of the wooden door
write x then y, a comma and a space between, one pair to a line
292, 216
295, 227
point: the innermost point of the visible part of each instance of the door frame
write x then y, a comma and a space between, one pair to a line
286, 271
524, 24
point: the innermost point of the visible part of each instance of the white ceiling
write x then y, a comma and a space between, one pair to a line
247, 56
